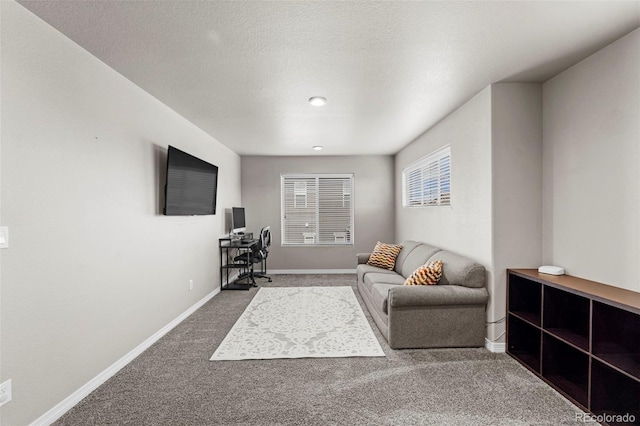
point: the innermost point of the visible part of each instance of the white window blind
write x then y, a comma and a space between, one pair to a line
427, 182
317, 209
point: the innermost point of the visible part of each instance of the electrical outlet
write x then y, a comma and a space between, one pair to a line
5, 392
190, 284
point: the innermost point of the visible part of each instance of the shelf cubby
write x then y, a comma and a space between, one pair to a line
525, 299
524, 342
567, 368
614, 394
616, 337
566, 315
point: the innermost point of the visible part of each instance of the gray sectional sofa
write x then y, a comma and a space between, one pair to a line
449, 314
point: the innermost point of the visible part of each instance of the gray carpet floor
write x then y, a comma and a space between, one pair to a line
174, 383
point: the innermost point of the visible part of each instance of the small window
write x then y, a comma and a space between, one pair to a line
346, 193
427, 182
300, 194
317, 209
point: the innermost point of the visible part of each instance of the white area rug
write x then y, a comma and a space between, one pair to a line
300, 322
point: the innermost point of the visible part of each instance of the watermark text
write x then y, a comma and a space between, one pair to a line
605, 418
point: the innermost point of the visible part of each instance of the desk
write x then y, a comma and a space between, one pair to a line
227, 247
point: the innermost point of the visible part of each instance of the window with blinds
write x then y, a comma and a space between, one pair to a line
427, 182
317, 209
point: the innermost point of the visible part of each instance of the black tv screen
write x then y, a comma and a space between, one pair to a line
191, 187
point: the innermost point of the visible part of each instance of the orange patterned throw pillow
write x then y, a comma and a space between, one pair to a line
428, 274
384, 255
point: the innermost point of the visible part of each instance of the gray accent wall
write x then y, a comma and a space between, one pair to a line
93, 268
592, 166
373, 201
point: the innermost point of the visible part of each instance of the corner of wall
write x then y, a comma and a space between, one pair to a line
516, 181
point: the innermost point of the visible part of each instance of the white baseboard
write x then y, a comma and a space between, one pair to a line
494, 346
311, 271
69, 402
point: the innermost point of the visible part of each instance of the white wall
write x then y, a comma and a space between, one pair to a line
516, 134
592, 166
466, 225
93, 268
495, 215
374, 214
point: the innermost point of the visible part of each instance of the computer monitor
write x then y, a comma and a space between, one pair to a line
238, 223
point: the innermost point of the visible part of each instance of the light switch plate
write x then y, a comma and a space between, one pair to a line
4, 237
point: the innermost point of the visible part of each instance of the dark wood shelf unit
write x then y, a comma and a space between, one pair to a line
614, 392
566, 315
616, 337
525, 301
568, 336
567, 368
524, 342
582, 338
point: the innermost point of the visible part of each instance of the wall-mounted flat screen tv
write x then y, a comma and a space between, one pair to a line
191, 187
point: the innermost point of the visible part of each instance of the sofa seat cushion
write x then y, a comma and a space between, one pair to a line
380, 296
364, 269
382, 278
374, 279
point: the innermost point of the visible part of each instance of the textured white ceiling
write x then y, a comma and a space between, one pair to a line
243, 71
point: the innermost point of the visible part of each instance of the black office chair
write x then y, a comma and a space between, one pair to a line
265, 243
259, 253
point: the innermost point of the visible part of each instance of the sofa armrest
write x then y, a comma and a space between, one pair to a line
436, 295
362, 258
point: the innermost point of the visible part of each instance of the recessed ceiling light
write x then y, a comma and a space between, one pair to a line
317, 147
317, 101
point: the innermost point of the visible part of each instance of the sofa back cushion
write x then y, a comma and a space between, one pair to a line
460, 270
407, 247
418, 257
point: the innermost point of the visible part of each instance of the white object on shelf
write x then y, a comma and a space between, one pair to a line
551, 270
